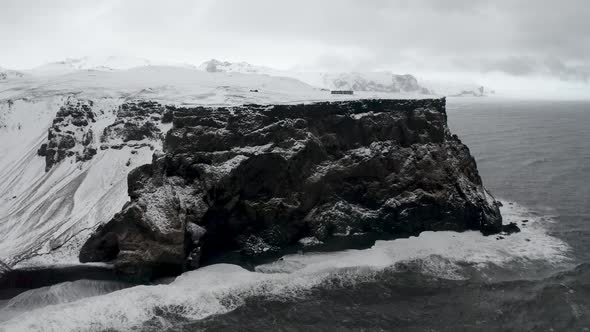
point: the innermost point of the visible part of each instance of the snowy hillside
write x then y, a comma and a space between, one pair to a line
458, 89
171, 84
6, 74
40, 210
215, 66
108, 63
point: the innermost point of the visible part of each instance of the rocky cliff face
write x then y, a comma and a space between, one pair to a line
70, 134
134, 123
258, 179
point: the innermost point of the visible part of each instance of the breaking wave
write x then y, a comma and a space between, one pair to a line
57, 294
221, 288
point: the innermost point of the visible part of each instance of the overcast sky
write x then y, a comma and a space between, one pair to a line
514, 38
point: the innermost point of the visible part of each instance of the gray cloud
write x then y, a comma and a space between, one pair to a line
529, 65
513, 65
516, 37
565, 72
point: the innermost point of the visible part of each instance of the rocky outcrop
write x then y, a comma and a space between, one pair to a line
70, 134
135, 121
377, 82
216, 66
6, 74
258, 179
408, 83
478, 92
135, 125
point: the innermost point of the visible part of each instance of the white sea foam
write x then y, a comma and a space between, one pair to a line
56, 294
221, 288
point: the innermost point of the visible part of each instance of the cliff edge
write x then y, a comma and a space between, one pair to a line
256, 179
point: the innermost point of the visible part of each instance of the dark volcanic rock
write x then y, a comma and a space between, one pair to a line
510, 228
70, 128
135, 122
256, 179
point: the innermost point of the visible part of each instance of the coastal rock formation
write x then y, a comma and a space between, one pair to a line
478, 92
257, 179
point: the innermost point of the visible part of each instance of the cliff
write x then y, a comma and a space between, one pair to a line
69, 141
259, 179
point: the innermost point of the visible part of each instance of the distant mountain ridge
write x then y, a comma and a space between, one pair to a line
377, 82
358, 81
100, 63
478, 92
9, 73
217, 66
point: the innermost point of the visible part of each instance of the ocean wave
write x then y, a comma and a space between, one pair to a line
57, 294
221, 288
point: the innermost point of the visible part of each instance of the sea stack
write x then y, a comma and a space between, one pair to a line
256, 179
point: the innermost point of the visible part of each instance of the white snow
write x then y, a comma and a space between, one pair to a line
329, 80
448, 87
362, 115
309, 241
177, 85
94, 63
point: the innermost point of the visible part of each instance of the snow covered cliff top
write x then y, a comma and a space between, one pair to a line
177, 85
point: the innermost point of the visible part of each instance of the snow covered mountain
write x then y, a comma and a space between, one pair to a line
480, 91
357, 81
6, 74
458, 89
216, 66
380, 81
106, 63
374, 81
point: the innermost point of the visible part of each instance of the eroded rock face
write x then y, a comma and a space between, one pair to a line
257, 179
134, 122
70, 134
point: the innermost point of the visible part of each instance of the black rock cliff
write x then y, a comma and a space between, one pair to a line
258, 179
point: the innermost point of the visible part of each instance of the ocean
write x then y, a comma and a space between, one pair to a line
536, 153
534, 156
